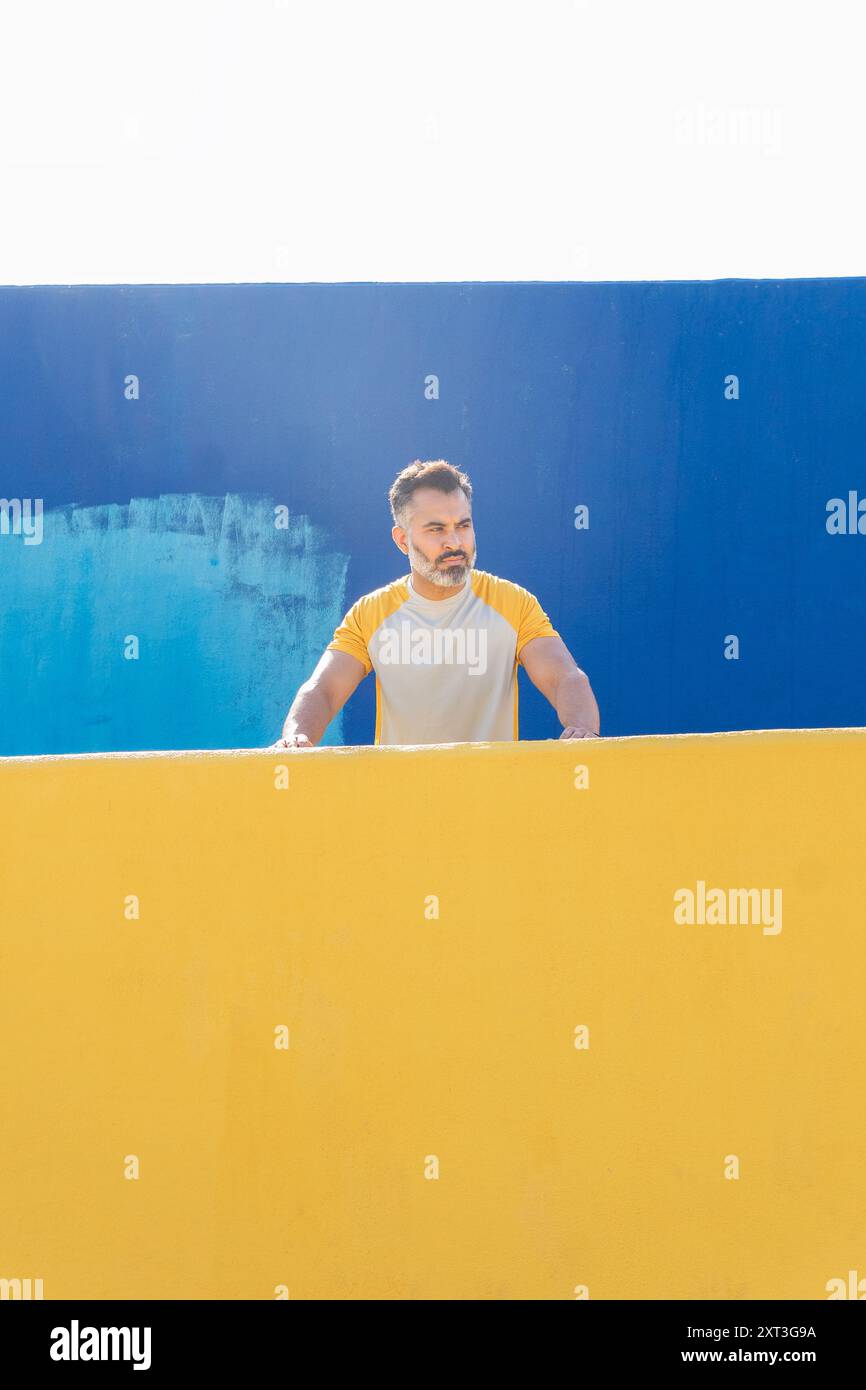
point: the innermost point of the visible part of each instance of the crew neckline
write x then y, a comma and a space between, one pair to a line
441, 604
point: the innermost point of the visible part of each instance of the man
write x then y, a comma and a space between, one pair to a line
444, 640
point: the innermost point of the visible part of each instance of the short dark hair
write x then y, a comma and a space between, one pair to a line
435, 473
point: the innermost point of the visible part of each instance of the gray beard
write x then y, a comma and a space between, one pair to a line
449, 578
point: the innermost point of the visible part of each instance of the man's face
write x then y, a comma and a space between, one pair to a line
439, 537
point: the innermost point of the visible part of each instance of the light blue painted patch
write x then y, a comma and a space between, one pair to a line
231, 615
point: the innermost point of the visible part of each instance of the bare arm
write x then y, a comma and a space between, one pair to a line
554, 671
320, 699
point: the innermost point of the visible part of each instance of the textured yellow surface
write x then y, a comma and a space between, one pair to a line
413, 1037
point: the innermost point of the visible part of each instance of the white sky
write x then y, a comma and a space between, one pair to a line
263, 140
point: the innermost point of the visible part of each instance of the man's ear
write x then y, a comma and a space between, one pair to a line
398, 535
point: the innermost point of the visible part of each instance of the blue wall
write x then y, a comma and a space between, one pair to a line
708, 516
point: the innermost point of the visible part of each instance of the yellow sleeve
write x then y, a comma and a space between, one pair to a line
350, 637
533, 622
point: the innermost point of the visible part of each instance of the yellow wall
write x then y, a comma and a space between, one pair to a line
559, 1167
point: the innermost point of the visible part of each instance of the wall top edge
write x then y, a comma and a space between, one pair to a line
523, 748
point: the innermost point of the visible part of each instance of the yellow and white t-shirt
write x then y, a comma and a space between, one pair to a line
446, 669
